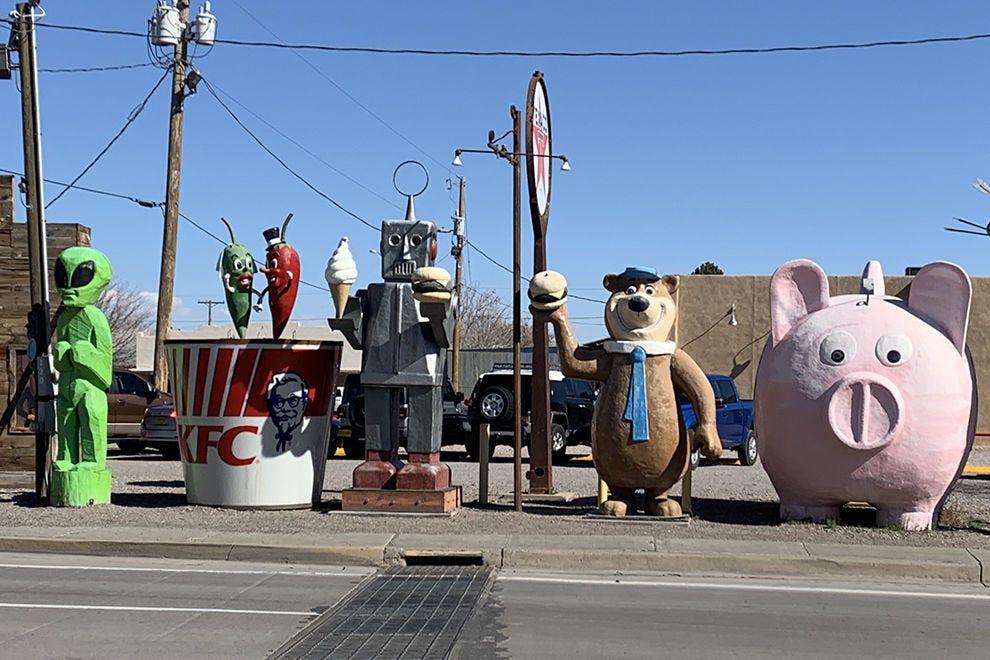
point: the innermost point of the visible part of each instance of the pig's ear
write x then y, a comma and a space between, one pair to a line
797, 289
941, 293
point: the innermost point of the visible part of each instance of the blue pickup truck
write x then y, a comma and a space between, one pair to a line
733, 417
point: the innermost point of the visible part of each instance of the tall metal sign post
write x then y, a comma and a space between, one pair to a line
538, 173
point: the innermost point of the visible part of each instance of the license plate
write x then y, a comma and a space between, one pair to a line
160, 421
344, 433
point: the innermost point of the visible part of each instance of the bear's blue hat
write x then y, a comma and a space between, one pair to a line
639, 273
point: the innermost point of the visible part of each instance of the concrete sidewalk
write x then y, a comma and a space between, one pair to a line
624, 553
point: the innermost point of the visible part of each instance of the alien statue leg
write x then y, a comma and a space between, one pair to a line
68, 433
81, 478
423, 469
381, 438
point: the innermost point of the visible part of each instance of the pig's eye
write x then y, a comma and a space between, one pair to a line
837, 349
893, 350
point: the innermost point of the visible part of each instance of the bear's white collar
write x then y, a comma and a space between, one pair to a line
651, 347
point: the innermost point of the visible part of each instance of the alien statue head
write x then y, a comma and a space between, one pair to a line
81, 274
406, 245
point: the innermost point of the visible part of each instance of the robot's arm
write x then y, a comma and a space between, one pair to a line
441, 316
350, 324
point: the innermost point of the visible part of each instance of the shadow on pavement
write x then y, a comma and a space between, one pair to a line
148, 500
174, 483
736, 512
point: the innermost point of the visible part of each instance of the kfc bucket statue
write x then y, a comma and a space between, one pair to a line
253, 419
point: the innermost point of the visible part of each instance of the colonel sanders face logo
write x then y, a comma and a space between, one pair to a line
287, 399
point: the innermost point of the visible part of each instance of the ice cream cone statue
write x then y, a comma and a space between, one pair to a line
341, 274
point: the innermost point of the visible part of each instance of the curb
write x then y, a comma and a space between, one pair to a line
619, 554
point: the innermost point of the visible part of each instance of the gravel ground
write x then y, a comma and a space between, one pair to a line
730, 502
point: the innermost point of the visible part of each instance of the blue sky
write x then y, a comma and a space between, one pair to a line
747, 160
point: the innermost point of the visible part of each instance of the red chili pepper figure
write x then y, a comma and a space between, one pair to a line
282, 270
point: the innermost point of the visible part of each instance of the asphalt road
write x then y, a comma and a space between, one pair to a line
90, 607
85, 607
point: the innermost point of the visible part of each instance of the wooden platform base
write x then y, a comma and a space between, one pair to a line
402, 501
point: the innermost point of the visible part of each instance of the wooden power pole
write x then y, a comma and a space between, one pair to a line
458, 252
166, 285
39, 320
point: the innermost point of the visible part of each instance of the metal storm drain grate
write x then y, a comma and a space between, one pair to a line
413, 612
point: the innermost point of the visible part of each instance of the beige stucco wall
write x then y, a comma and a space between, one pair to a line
703, 330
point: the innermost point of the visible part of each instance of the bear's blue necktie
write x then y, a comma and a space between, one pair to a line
636, 399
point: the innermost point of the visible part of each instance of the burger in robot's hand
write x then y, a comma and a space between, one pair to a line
431, 284
547, 291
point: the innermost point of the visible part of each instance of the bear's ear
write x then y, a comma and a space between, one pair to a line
797, 289
941, 293
612, 282
671, 282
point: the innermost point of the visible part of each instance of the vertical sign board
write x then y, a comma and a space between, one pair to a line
538, 166
538, 171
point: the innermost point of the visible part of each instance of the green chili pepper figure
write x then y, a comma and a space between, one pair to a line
84, 359
237, 268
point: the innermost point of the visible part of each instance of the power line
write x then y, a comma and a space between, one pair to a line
305, 149
557, 53
282, 162
90, 69
343, 91
130, 119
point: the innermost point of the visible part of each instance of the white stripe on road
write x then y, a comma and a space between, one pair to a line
729, 586
352, 572
122, 608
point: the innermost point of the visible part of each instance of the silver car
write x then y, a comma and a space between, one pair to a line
159, 431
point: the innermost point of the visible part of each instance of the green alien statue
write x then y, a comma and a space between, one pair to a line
84, 360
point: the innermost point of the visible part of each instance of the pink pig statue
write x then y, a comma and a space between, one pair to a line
866, 398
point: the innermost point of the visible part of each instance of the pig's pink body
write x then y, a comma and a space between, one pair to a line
891, 421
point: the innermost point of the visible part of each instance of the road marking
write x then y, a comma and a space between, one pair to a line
124, 608
976, 469
623, 582
353, 572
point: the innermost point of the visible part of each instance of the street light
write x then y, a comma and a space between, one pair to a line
515, 158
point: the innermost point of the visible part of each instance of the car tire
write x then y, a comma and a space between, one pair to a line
748, 452
495, 404
354, 448
130, 446
472, 444
695, 460
332, 446
558, 443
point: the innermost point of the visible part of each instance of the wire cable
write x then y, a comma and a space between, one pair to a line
558, 53
306, 150
343, 91
282, 162
130, 120
89, 69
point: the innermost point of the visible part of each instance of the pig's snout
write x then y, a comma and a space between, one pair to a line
865, 410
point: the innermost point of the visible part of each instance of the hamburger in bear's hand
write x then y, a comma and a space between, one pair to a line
431, 284
547, 290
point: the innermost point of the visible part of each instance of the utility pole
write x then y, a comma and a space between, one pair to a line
210, 304
39, 321
458, 252
517, 305
166, 285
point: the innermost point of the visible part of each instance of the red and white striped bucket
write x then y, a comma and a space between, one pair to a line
253, 419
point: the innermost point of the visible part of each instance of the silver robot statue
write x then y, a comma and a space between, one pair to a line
403, 327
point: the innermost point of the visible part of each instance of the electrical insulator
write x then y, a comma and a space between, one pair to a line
205, 33
166, 27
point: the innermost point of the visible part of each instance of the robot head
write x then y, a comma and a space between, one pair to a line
406, 245
81, 273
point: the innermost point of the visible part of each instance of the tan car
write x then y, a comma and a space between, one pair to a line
127, 399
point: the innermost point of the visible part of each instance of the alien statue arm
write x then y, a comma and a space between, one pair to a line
91, 358
690, 379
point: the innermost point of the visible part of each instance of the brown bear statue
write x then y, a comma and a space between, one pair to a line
638, 441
